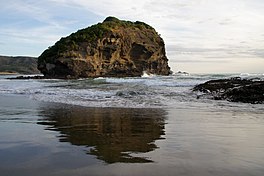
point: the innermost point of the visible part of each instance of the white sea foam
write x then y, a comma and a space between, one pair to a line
141, 92
252, 75
154, 91
147, 75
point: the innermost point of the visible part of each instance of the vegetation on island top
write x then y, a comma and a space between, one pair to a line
91, 35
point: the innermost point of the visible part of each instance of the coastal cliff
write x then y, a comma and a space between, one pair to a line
113, 48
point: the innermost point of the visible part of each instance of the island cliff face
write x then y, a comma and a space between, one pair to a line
113, 48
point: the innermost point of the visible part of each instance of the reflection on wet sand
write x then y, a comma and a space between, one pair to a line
111, 134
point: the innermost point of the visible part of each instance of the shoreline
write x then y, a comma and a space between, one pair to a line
17, 98
9, 73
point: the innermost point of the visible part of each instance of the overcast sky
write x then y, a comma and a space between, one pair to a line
201, 36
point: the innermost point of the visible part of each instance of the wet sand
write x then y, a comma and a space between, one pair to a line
8, 73
56, 139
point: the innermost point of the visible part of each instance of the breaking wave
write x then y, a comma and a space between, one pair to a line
141, 92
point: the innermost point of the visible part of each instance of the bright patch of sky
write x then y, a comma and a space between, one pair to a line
222, 36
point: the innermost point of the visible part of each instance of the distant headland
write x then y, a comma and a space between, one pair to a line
18, 65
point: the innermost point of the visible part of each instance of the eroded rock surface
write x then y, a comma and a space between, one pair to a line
113, 48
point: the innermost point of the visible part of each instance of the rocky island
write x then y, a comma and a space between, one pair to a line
113, 48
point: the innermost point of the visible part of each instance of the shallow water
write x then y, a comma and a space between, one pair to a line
179, 135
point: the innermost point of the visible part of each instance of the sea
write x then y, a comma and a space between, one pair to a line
149, 125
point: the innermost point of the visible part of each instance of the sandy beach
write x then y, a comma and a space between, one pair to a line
58, 139
8, 73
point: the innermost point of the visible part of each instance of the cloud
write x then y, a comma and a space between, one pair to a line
35, 25
198, 30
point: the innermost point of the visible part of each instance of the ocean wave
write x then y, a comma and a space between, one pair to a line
140, 92
259, 76
154, 81
147, 75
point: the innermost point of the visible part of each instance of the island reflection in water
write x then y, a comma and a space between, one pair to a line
111, 134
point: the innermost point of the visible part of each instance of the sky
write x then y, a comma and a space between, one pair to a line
201, 36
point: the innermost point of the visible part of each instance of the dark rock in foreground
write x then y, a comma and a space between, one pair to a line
234, 89
113, 48
28, 77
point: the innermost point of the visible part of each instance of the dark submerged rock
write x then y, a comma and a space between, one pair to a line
234, 89
28, 77
114, 48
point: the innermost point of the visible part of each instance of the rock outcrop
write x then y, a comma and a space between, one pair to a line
113, 48
234, 89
